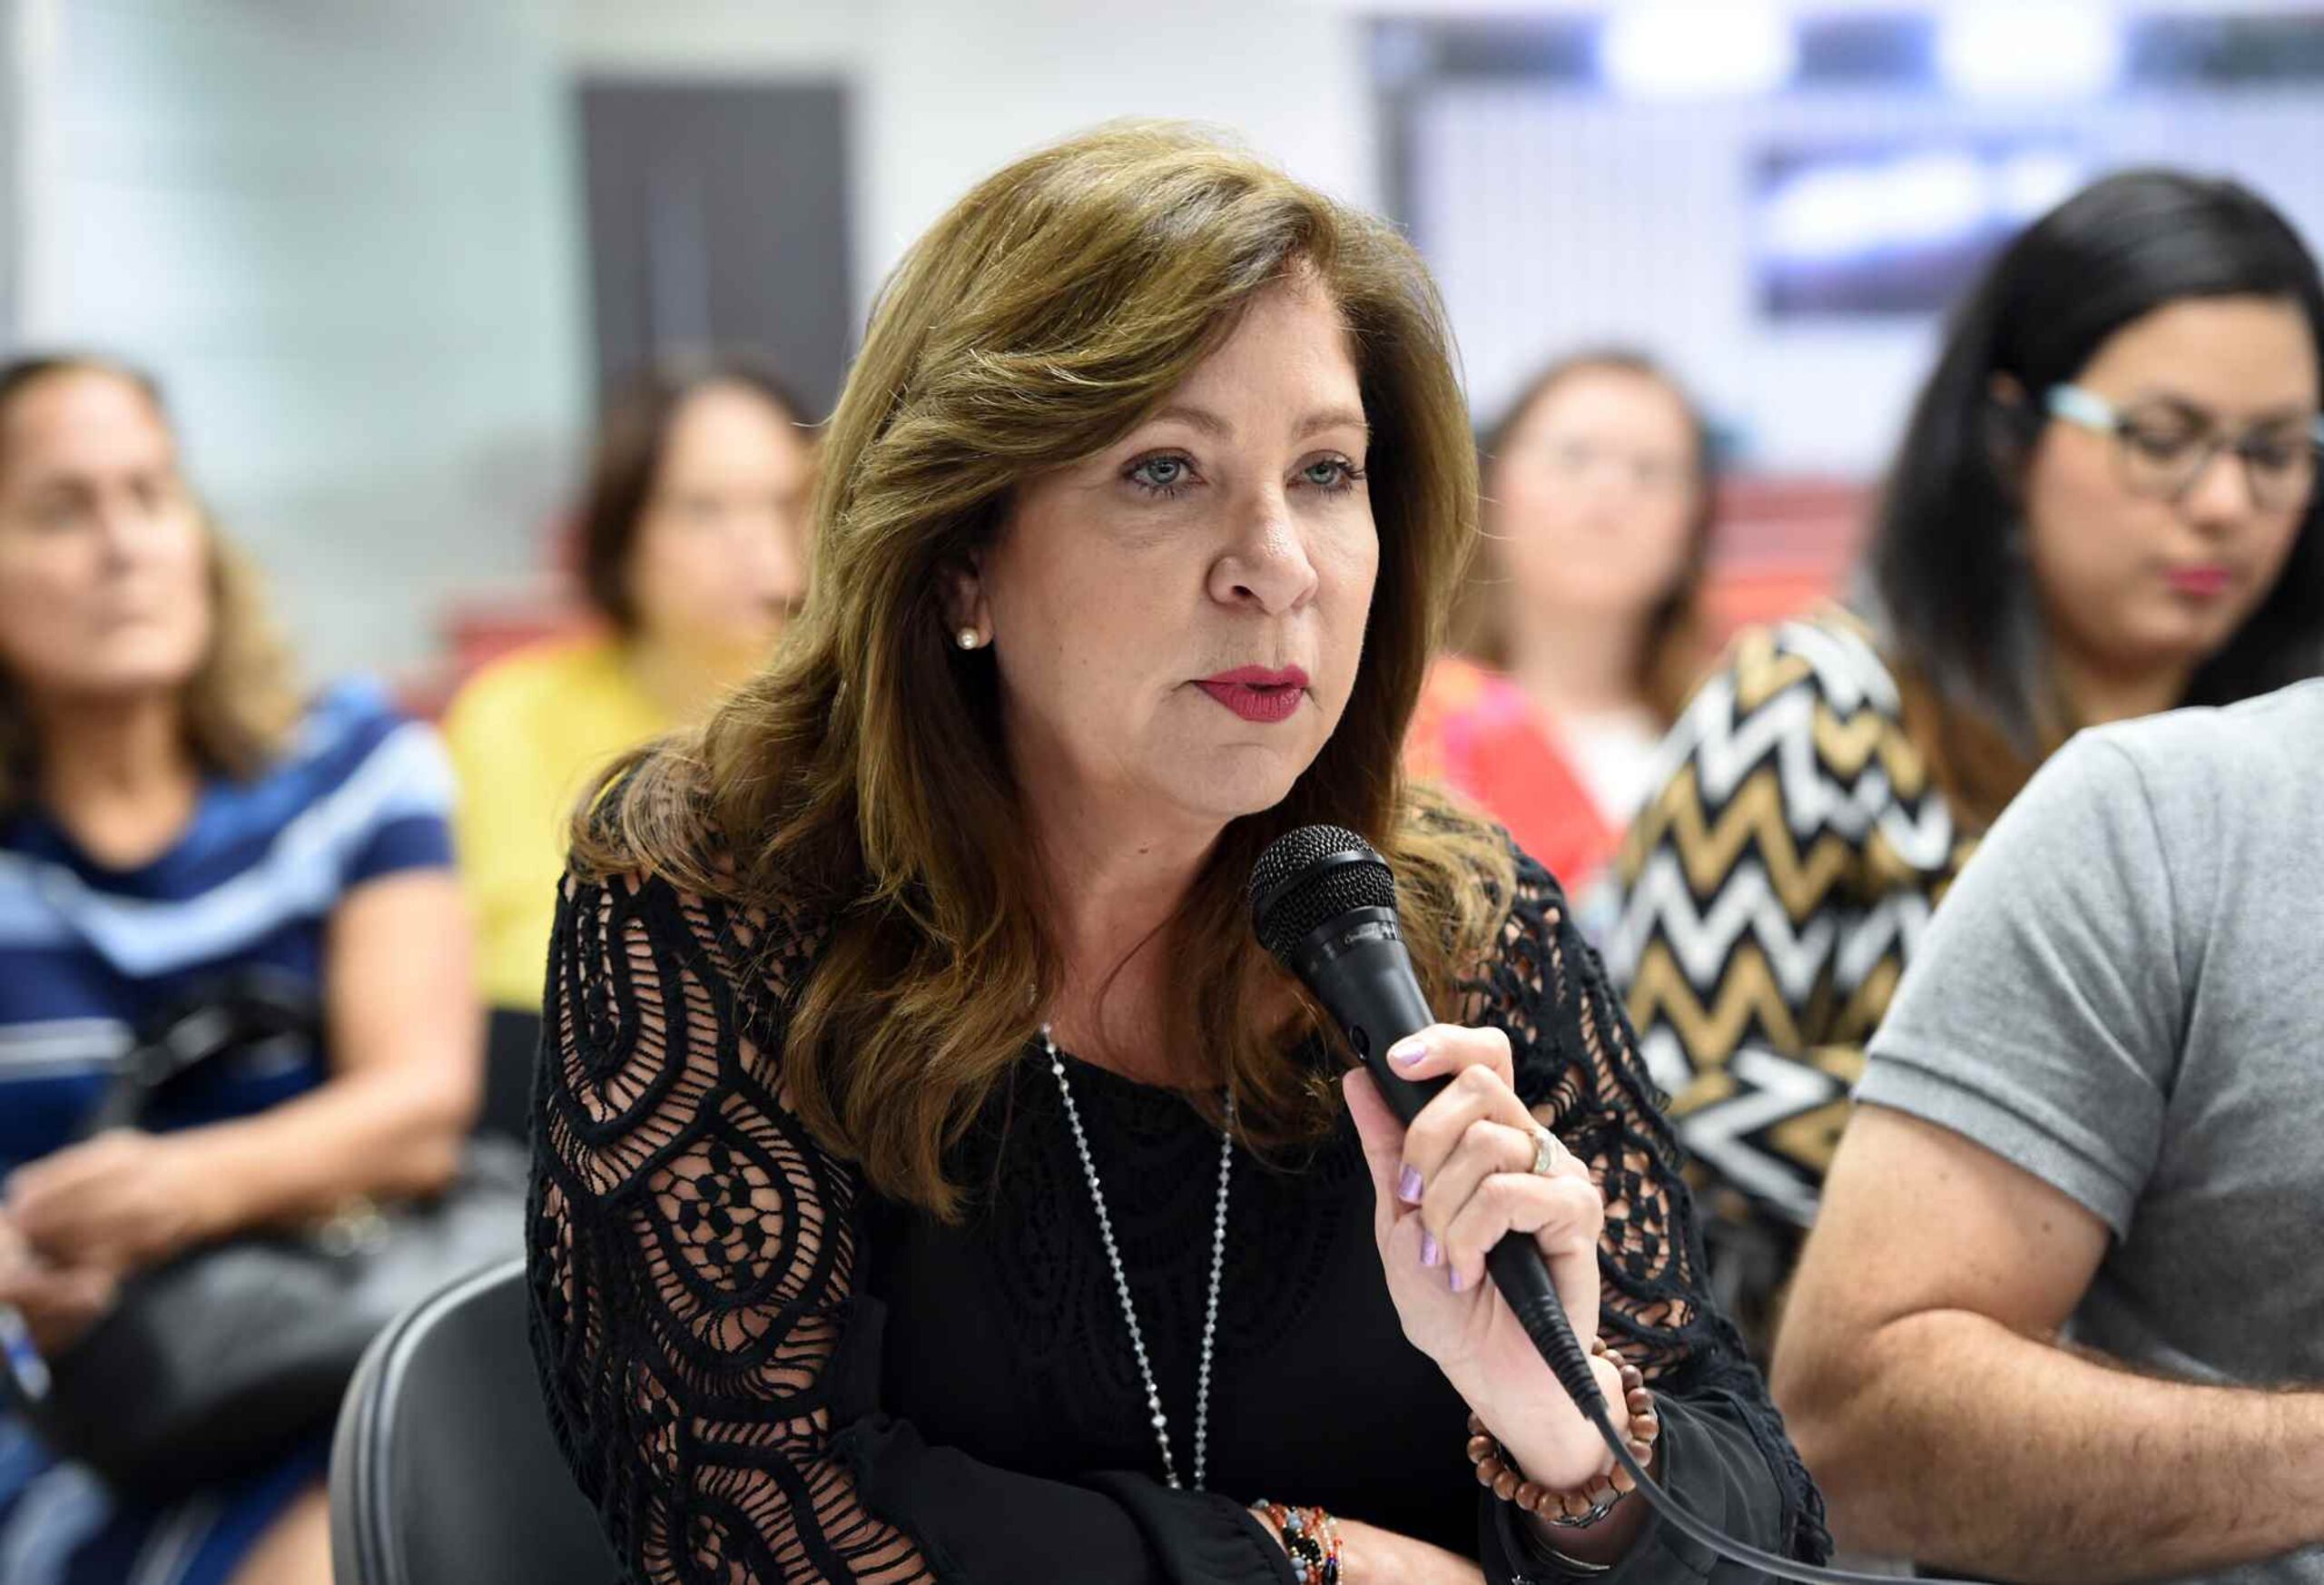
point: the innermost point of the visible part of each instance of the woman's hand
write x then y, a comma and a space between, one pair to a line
121, 1202
1370, 1553
58, 1303
1444, 1193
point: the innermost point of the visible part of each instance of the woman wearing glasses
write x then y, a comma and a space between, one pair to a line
1580, 628
2105, 505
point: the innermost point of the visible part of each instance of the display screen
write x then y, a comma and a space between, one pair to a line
1899, 230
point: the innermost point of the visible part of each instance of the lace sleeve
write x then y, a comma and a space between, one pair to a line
692, 1256
1577, 1068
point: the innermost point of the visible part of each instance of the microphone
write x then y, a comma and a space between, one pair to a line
1323, 904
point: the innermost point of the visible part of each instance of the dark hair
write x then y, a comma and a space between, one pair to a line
633, 434
1671, 660
1954, 598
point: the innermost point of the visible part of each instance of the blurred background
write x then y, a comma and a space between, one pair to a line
386, 253
391, 260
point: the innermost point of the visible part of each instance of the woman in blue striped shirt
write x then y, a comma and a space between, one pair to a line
171, 820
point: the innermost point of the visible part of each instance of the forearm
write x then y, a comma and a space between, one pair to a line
387, 1134
1956, 1442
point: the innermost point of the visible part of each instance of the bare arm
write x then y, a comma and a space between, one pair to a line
1920, 1372
408, 1065
406, 1039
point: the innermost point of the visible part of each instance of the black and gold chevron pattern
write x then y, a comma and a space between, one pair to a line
1770, 895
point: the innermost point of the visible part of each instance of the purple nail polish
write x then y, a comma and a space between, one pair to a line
1431, 1252
1408, 1187
1456, 1279
1408, 1051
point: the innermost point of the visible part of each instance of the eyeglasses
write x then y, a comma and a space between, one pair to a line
2160, 453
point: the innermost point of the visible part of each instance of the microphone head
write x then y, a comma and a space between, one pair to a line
1312, 875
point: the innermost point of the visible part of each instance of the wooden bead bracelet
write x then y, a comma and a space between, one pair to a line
1571, 1509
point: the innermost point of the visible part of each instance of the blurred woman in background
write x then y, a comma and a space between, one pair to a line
172, 822
2105, 505
1581, 631
693, 553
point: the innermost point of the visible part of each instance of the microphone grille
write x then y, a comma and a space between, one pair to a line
1314, 873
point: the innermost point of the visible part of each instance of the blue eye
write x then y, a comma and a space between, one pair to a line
1161, 476
1331, 475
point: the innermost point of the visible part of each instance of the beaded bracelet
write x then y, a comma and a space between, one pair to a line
1311, 1536
1593, 1502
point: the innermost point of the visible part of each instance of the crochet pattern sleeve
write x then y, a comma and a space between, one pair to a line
694, 1265
1577, 1066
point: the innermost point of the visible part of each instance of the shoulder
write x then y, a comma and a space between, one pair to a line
1456, 684
1829, 658
1805, 717
355, 753
659, 977
2200, 779
351, 716
1461, 697
2276, 737
556, 674
1490, 893
648, 848
1814, 696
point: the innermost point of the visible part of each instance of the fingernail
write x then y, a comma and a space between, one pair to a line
1408, 1187
1431, 1252
1408, 1051
1456, 1279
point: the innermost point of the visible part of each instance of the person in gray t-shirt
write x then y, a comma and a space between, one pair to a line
2063, 1315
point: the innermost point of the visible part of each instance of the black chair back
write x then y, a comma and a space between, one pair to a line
443, 1470
512, 1039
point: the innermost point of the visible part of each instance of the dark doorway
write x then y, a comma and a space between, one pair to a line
718, 217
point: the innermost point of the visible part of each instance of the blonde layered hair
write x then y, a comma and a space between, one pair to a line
861, 779
238, 707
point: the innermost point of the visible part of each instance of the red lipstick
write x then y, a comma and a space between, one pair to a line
2206, 581
1261, 693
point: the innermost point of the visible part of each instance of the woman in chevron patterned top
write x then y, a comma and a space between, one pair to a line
172, 824
2104, 505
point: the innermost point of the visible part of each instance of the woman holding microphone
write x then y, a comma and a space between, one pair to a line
935, 1179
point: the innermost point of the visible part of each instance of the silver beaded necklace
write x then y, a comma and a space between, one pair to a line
1121, 1279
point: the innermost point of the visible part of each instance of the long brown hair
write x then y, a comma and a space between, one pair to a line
862, 776
1676, 650
240, 704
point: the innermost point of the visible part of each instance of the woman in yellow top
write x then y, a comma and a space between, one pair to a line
692, 550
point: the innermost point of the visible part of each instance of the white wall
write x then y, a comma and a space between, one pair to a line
343, 234
956, 90
1554, 220
11, 230
947, 91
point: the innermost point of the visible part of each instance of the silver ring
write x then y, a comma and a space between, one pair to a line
1545, 1160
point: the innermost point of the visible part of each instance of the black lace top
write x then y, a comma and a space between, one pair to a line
761, 1372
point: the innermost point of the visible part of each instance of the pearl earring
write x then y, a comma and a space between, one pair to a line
968, 638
